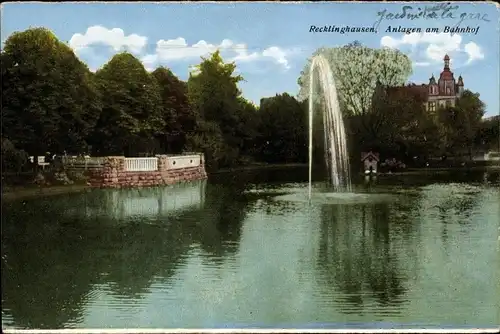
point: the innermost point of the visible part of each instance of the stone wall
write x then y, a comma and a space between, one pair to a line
114, 175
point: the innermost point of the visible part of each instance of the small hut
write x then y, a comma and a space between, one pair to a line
370, 162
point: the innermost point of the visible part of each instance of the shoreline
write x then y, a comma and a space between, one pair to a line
26, 192
29, 191
258, 167
438, 170
17, 193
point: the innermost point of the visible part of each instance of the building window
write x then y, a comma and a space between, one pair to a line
448, 91
448, 103
432, 106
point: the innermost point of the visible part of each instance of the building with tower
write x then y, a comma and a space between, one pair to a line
437, 93
446, 90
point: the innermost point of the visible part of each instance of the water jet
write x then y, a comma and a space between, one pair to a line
336, 156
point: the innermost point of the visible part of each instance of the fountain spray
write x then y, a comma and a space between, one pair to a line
337, 158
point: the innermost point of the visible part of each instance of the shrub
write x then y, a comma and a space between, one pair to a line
13, 160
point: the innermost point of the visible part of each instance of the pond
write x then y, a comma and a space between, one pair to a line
238, 251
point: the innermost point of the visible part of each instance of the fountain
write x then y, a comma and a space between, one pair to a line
336, 157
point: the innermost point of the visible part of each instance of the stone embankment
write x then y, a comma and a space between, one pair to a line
121, 172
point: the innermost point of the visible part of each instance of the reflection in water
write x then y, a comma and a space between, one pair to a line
356, 256
124, 204
213, 254
56, 254
450, 205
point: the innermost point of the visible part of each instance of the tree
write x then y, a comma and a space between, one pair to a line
132, 116
472, 110
462, 122
177, 115
13, 160
398, 124
49, 99
488, 134
248, 128
356, 70
215, 99
407, 125
208, 139
283, 130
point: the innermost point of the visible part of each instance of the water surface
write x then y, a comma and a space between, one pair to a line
231, 253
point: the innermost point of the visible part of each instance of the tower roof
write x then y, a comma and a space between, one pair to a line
432, 80
446, 74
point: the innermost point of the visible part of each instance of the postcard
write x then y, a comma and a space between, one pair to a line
250, 167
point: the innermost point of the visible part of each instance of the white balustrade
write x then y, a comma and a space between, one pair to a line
141, 164
184, 161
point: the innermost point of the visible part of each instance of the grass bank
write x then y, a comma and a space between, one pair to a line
25, 192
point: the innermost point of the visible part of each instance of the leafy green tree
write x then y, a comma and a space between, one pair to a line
488, 134
472, 110
215, 99
13, 159
248, 128
462, 123
177, 115
208, 139
357, 69
283, 130
133, 115
404, 127
49, 99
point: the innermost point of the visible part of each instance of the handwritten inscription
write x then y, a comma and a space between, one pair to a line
443, 11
